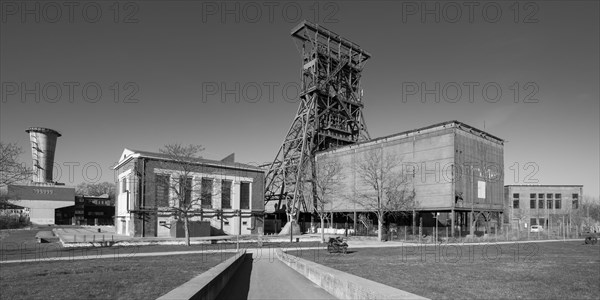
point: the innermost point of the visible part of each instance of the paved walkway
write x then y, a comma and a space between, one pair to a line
269, 278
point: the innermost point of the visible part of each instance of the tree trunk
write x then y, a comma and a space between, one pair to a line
186, 228
379, 229
322, 229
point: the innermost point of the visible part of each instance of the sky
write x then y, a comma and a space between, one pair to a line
225, 74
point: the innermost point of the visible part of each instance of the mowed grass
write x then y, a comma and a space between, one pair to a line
21, 245
122, 278
549, 270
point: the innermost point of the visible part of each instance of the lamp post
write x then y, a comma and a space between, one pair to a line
471, 230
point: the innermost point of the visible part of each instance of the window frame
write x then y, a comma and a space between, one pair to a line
226, 193
205, 195
245, 203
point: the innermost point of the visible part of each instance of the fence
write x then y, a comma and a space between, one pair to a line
444, 233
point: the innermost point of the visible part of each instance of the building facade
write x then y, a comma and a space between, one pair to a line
41, 200
227, 195
453, 168
88, 210
546, 205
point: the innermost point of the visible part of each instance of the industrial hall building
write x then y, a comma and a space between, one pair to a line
226, 197
453, 168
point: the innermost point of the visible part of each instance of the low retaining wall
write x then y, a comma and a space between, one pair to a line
341, 284
209, 284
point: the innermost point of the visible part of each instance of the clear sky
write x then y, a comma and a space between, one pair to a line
171, 71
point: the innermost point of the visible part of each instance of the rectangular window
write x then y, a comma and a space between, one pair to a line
206, 197
549, 204
541, 204
542, 222
532, 203
226, 194
516, 196
549, 196
532, 196
575, 204
162, 190
516, 203
533, 221
557, 204
557, 196
541, 196
185, 189
245, 195
575, 196
124, 185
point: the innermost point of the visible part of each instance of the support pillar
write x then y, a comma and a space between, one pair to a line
452, 222
355, 222
414, 222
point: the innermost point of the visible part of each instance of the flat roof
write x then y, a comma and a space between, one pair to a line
200, 161
459, 125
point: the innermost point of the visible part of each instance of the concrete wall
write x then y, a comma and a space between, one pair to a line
341, 284
437, 161
42, 212
41, 200
209, 284
478, 161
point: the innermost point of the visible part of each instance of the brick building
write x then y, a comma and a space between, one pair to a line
227, 195
545, 205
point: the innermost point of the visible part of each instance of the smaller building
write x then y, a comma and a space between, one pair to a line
546, 205
41, 199
88, 210
226, 197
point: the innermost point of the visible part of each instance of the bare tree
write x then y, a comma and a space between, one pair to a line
11, 170
327, 181
183, 162
387, 188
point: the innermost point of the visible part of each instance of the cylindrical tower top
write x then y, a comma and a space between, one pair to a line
43, 130
43, 145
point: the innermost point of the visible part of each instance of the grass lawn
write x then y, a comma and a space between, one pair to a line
550, 270
125, 278
22, 245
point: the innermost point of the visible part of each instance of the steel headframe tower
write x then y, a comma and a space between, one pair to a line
329, 114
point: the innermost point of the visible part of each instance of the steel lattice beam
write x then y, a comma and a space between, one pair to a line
329, 115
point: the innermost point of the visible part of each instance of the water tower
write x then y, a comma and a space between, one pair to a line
43, 144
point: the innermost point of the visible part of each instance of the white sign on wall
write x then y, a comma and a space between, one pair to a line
481, 189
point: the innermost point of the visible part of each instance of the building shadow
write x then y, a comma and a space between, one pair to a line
238, 285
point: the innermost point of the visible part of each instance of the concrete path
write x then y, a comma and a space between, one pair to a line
264, 278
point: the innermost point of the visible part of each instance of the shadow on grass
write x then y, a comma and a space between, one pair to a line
239, 285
